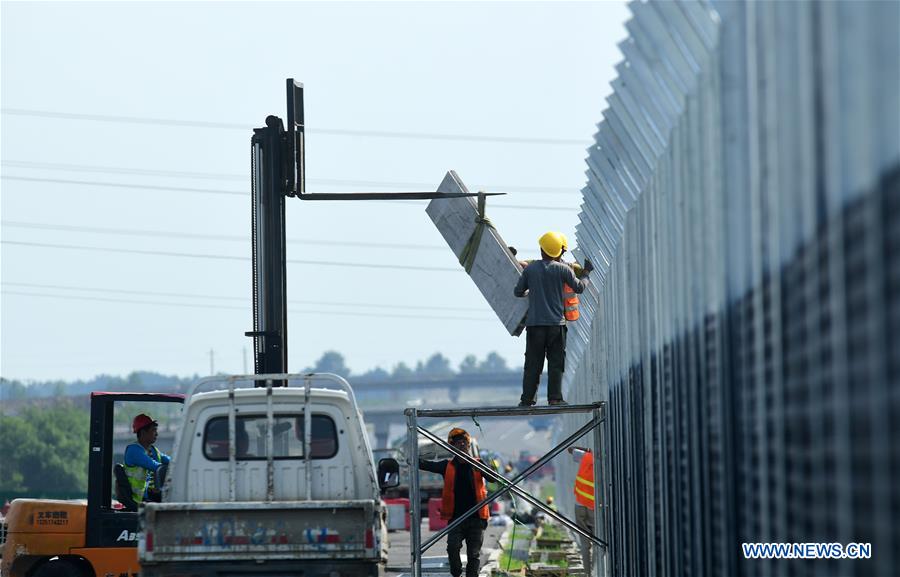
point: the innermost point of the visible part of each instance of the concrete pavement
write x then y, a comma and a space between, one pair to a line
434, 562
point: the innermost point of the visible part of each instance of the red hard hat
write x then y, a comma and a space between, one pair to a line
141, 421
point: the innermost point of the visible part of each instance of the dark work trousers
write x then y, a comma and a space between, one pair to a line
472, 531
540, 342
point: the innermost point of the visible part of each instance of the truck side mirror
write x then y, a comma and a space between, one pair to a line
388, 473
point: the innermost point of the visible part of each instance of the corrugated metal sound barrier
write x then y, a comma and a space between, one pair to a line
743, 208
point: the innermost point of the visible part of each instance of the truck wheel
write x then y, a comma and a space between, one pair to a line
58, 568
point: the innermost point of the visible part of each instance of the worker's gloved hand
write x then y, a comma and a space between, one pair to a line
588, 265
513, 250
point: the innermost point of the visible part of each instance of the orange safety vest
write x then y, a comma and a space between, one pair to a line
584, 481
447, 497
570, 303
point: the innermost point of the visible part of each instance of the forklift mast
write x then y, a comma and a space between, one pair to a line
269, 181
278, 170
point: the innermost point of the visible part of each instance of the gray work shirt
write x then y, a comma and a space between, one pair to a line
543, 280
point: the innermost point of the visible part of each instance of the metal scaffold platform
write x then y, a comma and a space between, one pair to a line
595, 426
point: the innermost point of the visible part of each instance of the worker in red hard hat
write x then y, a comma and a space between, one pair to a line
143, 460
464, 487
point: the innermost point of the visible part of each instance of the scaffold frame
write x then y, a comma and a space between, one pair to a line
601, 489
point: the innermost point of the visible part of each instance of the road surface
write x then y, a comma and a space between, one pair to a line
435, 559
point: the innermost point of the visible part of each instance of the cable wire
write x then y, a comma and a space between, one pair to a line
518, 188
223, 256
122, 185
28, 165
226, 307
585, 142
199, 236
229, 298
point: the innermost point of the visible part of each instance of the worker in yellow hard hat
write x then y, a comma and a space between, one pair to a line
543, 282
464, 487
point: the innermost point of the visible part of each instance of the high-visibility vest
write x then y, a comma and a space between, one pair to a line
139, 478
584, 481
570, 303
448, 495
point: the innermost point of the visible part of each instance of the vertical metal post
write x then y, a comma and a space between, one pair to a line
415, 513
295, 173
232, 436
269, 271
606, 479
307, 438
599, 482
270, 444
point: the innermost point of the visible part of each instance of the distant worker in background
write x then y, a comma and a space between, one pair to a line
544, 282
464, 487
584, 501
143, 461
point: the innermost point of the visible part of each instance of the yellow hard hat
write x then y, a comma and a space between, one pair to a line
457, 432
565, 241
552, 244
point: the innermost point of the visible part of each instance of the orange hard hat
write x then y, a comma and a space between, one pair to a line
457, 432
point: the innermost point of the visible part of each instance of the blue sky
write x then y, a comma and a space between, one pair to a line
117, 116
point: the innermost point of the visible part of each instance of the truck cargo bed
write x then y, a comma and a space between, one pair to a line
184, 532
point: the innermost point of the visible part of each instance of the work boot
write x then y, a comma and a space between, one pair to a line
527, 404
558, 403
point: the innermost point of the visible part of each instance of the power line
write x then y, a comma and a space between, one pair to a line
226, 307
238, 193
198, 236
223, 256
29, 165
123, 185
329, 131
229, 298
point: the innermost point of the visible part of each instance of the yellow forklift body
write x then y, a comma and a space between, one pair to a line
40, 529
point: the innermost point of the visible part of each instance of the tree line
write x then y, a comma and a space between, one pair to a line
435, 366
44, 451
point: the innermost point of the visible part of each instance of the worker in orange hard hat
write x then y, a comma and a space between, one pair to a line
543, 282
143, 460
464, 487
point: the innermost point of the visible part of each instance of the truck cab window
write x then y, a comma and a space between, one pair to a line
287, 436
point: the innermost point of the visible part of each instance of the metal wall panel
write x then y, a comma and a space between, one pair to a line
742, 206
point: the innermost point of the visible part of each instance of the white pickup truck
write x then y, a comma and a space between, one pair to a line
269, 480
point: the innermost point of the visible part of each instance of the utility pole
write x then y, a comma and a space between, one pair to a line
245, 360
212, 362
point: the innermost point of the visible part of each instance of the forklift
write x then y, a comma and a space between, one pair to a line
97, 537
48, 538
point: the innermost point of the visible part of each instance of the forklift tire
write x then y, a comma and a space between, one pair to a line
58, 568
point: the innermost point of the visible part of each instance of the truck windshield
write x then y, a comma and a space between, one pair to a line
288, 431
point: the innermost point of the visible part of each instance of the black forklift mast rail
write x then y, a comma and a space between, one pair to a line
278, 170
